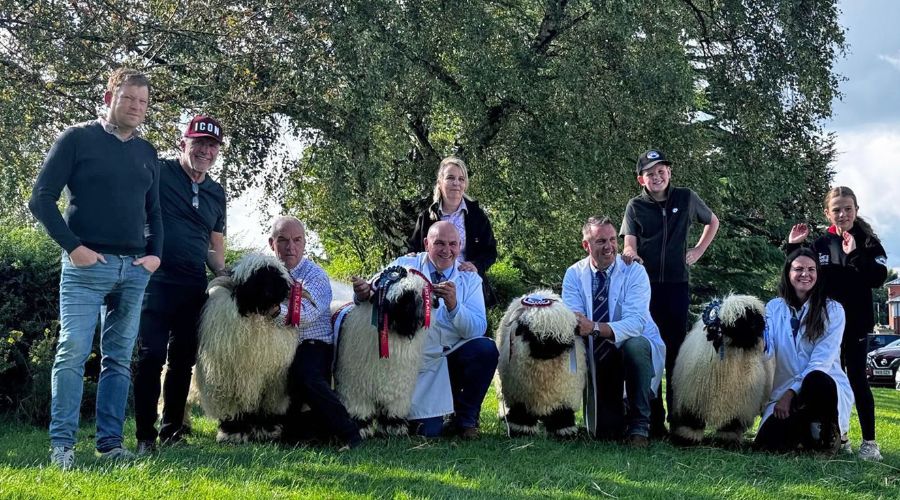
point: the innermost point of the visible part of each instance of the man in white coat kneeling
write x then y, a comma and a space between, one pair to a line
612, 302
459, 360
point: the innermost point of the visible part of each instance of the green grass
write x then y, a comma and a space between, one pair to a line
494, 466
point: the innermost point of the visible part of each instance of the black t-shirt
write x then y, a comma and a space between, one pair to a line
187, 229
661, 229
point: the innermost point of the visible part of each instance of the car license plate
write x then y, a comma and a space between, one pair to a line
883, 373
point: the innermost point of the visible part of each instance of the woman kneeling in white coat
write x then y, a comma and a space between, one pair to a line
811, 397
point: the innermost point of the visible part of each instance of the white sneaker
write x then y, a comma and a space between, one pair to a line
868, 450
117, 453
62, 457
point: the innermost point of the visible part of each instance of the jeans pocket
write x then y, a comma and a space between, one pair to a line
82, 268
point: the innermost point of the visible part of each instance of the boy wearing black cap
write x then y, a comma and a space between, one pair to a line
655, 228
193, 213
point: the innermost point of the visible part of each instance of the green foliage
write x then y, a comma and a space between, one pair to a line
550, 102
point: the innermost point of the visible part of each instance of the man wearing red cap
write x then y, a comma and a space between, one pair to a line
193, 213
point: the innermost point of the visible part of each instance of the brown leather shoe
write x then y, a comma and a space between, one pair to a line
637, 441
468, 433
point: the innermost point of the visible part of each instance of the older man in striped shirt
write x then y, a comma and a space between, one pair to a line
309, 378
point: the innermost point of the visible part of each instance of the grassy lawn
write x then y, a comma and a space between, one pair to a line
494, 466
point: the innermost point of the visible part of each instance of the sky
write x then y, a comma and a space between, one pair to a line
866, 122
867, 118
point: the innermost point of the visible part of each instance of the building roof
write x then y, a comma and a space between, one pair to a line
893, 282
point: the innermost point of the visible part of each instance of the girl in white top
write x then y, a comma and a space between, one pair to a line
811, 396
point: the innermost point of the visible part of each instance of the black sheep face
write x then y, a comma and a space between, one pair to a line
405, 315
747, 330
263, 290
541, 346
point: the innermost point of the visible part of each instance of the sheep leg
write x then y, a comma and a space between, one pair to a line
688, 428
561, 423
521, 421
393, 426
266, 427
366, 426
235, 430
732, 433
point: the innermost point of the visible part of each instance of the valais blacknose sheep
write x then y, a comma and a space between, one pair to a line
378, 365
722, 379
542, 365
244, 353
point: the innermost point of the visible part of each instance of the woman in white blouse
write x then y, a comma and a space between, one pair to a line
811, 396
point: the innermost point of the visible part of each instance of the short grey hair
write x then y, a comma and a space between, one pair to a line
280, 221
594, 221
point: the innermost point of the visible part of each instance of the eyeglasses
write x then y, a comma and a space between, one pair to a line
195, 201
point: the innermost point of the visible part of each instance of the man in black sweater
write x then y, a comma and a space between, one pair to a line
193, 211
111, 236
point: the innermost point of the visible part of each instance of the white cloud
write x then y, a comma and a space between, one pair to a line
868, 163
892, 60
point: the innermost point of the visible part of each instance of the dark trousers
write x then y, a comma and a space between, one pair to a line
309, 382
630, 366
471, 369
853, 359
167, 334
816, 402
669, 304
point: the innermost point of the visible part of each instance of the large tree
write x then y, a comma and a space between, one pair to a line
550, 102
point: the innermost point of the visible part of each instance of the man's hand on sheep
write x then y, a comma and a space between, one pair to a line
362, 289
468, 267
783, 406
446, 290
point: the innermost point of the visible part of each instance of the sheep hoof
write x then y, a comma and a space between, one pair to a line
729, 439
396, 430
272, 433
518, 430
232, 437
367, 431
566, 433
685, 436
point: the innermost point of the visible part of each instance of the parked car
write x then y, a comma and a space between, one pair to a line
879, 340
881, 364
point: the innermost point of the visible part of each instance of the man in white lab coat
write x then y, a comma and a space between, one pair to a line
612, 302
459, 360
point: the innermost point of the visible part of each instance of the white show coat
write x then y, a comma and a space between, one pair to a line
449, 330
629, 305
796, 357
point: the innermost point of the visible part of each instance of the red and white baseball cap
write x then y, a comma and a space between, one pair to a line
204, 126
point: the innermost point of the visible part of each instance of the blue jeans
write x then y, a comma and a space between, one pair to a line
115, 290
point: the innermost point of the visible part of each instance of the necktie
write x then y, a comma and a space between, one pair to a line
601, 304
437, 277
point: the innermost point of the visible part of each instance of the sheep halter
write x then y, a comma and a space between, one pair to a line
295, 304
713, 323
380, 319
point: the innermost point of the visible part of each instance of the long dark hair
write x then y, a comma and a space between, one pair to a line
841, 191
817, 315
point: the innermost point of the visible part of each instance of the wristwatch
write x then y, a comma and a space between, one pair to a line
596, 331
